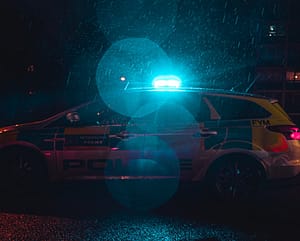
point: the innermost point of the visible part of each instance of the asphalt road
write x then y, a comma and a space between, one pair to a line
90, 211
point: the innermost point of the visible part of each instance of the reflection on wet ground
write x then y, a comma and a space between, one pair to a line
87, 211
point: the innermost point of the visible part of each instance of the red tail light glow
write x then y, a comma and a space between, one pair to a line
289, 131
280, 146
295, 135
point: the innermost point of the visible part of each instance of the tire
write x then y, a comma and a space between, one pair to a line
235, 178
22, 170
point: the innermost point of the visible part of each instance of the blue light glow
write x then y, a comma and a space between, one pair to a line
130, 62
166, 81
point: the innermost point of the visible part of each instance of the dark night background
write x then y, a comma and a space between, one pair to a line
50, 49
49, 53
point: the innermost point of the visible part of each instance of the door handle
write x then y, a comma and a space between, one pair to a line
122, 135
205, 133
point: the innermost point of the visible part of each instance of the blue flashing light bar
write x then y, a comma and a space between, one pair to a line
166, 81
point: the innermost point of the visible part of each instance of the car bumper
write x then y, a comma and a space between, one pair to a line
286, 170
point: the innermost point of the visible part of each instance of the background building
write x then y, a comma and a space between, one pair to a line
278, 54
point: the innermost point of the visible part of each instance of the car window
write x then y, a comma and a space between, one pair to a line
91, 115
99, 114
235, 108
197, 106
177, 108
173, 109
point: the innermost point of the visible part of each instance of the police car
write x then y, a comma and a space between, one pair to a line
234, 141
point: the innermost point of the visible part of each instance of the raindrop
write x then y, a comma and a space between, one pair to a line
223, 20
274, 9
257, 27
262, 11
249, 76
68, 78
144, 19
236, 19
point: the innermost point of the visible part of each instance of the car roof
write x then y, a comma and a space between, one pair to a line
197, 90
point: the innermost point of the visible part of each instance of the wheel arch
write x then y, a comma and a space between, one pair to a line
247, 156
21, 144
28, 146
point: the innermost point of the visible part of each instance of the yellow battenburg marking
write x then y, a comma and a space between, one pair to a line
264, 139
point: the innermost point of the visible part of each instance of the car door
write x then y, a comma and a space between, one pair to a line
181, 134
85, 151
83, 144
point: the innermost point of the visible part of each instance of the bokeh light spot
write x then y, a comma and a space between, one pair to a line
148, 176
140, 60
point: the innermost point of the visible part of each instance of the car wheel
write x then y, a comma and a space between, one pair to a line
235, 178
22, 170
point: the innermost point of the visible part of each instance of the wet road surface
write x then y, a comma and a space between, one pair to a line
87, 211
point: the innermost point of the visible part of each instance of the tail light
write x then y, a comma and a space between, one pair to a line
289, 131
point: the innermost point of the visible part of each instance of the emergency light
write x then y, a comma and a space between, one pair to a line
166, 81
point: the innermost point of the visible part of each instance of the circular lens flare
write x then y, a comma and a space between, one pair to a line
148, 175
137, 61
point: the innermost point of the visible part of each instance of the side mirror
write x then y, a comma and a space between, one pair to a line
73, 117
